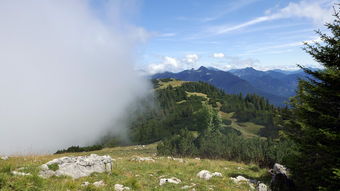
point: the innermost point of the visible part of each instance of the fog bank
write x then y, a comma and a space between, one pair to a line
66, 72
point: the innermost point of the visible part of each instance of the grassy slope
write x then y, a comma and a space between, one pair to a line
136, 175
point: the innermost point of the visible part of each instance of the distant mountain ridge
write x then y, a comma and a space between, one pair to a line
278, 82
228, 81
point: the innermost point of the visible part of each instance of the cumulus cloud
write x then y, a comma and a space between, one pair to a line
66, 73
168, 64
171, 64
218, 55
190, 58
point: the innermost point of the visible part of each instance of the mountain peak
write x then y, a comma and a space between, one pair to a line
202, 68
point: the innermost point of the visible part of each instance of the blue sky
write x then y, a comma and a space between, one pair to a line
227, 34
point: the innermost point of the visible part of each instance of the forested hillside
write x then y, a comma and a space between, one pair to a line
197, 119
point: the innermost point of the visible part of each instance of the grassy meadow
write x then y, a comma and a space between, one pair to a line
136, 175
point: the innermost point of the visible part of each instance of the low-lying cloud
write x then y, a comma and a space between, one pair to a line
66, 73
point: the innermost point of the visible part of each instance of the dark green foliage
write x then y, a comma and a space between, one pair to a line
75, 149
316, 108
178, 145
214, 144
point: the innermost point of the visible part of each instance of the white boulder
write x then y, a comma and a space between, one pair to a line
279, 169
241, 179
85, 183
120, 187
262, 187
172, 180
4, 158
206, 175
99, 183
77, 167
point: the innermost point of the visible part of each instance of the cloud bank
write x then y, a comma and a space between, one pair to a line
66, 73
171, 64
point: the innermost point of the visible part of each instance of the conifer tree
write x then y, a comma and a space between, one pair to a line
316, 109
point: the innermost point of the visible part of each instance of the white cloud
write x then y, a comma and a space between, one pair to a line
234, 62
316, 10
171, 64
168, 64
190, 58
218, 55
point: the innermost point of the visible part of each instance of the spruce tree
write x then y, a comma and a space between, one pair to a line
316, 109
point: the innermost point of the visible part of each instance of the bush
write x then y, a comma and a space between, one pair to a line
75, 149
214, 144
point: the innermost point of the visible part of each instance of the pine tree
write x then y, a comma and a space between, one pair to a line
316, 109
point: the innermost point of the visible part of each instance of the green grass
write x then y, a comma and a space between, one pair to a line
173, 83
136, 175
248, 129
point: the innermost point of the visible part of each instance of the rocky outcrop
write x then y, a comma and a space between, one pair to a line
4, 158
76, 167
206, 175
172, 180
280, 179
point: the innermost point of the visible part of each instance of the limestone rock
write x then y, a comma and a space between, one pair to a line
99, 183
4, 158
206, 175
279, 169
280, 180
262, 187
77, 167
188, 187
85, 183
120, 187
172, 180
241, 179
20, 173
141, 159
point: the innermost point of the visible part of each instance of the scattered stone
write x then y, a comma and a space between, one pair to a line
206, 175
178, 159
172, 180
99, 183
120, 187
280, 179
141, 159
241, 179
77, 167
4, 158
85, 184
188, 187
239, 168
262, 187
217, 174
20, 173
197, 158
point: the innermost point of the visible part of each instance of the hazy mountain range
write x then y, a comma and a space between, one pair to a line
275, 85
